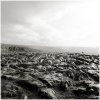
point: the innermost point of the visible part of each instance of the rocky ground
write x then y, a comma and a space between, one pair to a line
49, 76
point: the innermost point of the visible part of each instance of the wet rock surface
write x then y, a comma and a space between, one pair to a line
49, 76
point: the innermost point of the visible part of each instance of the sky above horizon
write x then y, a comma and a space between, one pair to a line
51, 23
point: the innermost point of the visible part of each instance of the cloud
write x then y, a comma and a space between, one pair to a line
51, 23
47, 33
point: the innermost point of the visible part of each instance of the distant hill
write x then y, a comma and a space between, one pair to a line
46, 49
8, 48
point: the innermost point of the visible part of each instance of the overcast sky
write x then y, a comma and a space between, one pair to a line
51, 23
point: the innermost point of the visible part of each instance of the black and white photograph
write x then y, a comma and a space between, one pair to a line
50, 49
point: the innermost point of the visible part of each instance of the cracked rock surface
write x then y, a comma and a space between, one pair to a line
49, 76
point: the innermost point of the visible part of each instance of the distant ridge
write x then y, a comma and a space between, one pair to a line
46, 49
20, 48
